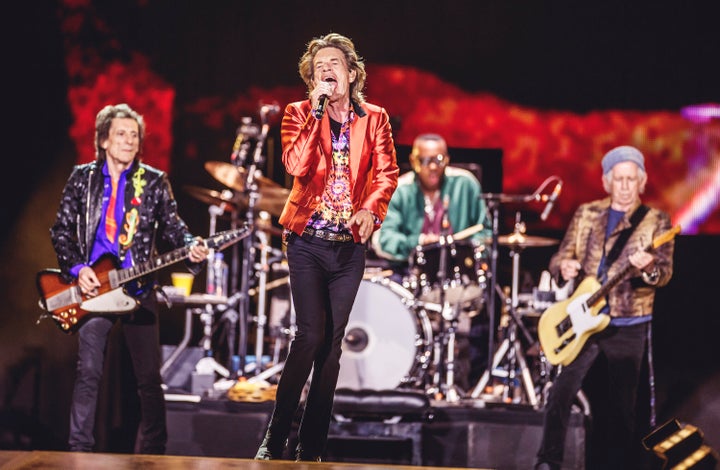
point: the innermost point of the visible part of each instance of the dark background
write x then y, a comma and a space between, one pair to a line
548, 55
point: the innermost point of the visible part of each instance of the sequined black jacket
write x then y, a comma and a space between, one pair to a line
147, 189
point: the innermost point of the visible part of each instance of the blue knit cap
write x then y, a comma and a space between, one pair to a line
624, 153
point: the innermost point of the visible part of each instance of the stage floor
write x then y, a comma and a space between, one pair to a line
46, 460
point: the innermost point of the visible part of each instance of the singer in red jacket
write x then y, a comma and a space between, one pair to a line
341, 153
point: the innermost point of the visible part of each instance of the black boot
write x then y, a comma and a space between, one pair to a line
270, 449
302, 455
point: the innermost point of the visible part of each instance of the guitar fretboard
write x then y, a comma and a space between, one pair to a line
219, 241
141, 269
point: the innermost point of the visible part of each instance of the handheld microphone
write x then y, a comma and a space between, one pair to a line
551, 201
320, 110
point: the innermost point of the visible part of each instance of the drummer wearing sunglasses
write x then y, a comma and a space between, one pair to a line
437, 199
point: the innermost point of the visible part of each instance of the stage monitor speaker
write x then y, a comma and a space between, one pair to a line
502, 440
198, 431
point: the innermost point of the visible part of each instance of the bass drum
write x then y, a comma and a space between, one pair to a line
387, 344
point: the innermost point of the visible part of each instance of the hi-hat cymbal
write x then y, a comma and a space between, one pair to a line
522, 241
224, 199
234, 177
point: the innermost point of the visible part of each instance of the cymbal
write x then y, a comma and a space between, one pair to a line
267, 227
523, 241
225, 199
234, 177
271, 200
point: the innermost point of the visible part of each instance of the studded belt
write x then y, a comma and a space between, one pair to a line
328, 235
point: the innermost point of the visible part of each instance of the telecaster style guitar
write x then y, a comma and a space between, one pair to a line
565, 326
66, 304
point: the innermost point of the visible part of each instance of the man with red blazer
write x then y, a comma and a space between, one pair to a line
341, 153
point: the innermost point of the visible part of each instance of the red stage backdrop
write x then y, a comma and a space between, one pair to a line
682, 149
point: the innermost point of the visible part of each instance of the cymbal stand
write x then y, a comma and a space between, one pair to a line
278, 365
207, 316
510, 349
251, 189
230, 316
261, 318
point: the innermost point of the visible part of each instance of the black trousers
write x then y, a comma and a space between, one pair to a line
324, 280
142, 337
624, 349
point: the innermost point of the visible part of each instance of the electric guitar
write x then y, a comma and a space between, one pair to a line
565, 326
66, 304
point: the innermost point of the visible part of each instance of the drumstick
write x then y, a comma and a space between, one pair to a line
377, 274
468, 231
462, 234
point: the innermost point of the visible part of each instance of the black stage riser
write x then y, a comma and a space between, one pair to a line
476, 438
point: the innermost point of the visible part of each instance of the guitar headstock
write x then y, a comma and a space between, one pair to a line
665, 236
222, 240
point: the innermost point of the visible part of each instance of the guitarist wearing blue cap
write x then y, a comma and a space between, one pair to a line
617, 252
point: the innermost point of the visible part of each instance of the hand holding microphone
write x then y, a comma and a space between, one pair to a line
325, 89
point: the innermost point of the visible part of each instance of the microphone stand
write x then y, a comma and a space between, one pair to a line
493, 201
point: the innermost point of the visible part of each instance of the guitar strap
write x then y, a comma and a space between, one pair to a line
622, 239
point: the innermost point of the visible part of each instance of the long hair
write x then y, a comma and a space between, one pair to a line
103, 121
353, 60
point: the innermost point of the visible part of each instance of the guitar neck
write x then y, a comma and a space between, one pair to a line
218, 241
153, 264
612, 282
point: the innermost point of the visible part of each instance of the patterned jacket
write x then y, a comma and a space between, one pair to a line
585, 240
150, 209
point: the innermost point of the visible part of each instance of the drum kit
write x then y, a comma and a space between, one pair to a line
402, 333
399, 334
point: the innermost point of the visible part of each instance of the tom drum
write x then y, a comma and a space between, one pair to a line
464, 273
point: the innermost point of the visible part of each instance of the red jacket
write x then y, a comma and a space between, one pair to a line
307, 154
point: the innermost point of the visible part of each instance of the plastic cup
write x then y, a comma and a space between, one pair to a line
183, 282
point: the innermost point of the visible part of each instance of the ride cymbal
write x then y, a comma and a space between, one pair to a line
523, 241
234, 177
224, 199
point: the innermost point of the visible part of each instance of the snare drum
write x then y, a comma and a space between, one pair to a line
387, 342
465, 273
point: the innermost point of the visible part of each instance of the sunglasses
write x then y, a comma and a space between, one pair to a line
439, 159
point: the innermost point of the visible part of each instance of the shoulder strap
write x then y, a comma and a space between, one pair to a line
635, 219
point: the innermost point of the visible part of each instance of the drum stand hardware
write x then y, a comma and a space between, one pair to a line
444, 350
262, 289
445, 343
493, 201
510, 350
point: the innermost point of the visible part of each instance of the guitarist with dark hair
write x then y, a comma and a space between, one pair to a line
609, 243
117, 206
